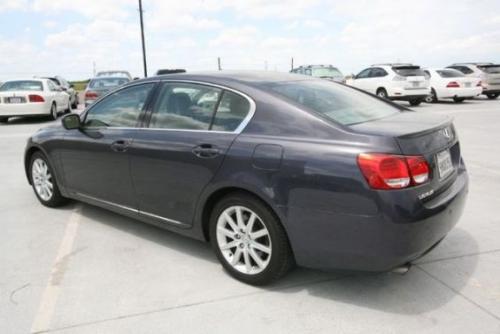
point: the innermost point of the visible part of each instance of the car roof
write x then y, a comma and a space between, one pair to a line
476, 64
249, 78
317, 65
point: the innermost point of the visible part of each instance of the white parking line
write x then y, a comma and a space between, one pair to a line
50, 295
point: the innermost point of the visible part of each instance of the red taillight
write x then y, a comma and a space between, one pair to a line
91, 95
36, 98
419, 169
386, 171
453, 84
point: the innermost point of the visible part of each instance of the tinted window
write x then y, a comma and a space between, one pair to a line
463, 69
120, 109
335, 102
363, 74
26, 85
233, 108
490, 69
185, 106
52, 85
378, 73
450, 73
409, 71
106, 83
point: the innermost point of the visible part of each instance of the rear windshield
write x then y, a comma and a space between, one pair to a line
338, 103
450, 74
409, 71
26, 85
326, 72
490, 69
107, 82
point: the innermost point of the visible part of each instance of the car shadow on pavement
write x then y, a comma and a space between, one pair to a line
28, 120
415, 292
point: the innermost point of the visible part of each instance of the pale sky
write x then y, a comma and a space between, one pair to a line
49, 37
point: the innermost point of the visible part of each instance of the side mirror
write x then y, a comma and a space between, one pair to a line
71, 122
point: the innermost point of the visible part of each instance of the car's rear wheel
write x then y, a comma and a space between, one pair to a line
492, 96
43, 181
459, 99
4, 119
382, 93
249, 240
53, 111
415, 102
432, 97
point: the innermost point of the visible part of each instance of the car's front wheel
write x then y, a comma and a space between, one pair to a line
43, 181
382, 93
249, 240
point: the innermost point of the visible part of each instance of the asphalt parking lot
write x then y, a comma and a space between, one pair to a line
81, 269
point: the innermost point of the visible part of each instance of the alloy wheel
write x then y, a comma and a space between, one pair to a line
244, 240
42, 179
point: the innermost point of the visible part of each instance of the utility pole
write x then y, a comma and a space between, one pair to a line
218, 64
143, 42
292, 63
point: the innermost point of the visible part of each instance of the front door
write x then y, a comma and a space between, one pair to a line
95, 158
191, 128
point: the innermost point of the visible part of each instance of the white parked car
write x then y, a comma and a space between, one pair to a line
32, 97
405, 82
488, 73
448, 83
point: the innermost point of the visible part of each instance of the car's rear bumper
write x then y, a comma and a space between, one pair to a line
402, 231
459, 92
24, 109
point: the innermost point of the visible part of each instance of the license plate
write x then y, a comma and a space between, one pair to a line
15, 100
444, 163
415, 83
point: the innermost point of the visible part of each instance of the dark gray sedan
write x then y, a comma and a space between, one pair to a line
272, 169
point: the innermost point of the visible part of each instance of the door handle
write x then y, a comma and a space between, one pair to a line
120, 146
206, 151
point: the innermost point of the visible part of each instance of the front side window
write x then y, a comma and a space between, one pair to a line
232, 110
363, 74
185, 106
120, 109
22, 85
335, 102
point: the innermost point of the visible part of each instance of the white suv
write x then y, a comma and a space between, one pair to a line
404, 82
488, 73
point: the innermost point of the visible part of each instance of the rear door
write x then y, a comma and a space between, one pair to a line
190, 129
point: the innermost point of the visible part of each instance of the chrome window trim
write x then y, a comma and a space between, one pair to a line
168, 220
238, 130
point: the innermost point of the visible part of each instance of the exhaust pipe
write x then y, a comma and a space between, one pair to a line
401, 270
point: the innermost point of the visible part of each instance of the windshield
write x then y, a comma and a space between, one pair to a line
338, 103
450, 74
409, 71
106, 83
490, 69
26, 85
322, 72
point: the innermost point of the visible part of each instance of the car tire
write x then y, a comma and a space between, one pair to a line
492, 96
258, 254
53, 112
4, 119
415, 102
382, 93
458, 99
432, 97
44, 182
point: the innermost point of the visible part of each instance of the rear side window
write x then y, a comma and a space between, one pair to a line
335, 102
450, 73
22, 85
120, 109
409, 71
490, 69
185, 107
232, 110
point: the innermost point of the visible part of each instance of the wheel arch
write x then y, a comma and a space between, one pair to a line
216, 195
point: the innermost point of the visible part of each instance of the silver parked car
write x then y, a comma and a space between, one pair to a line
488, 73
